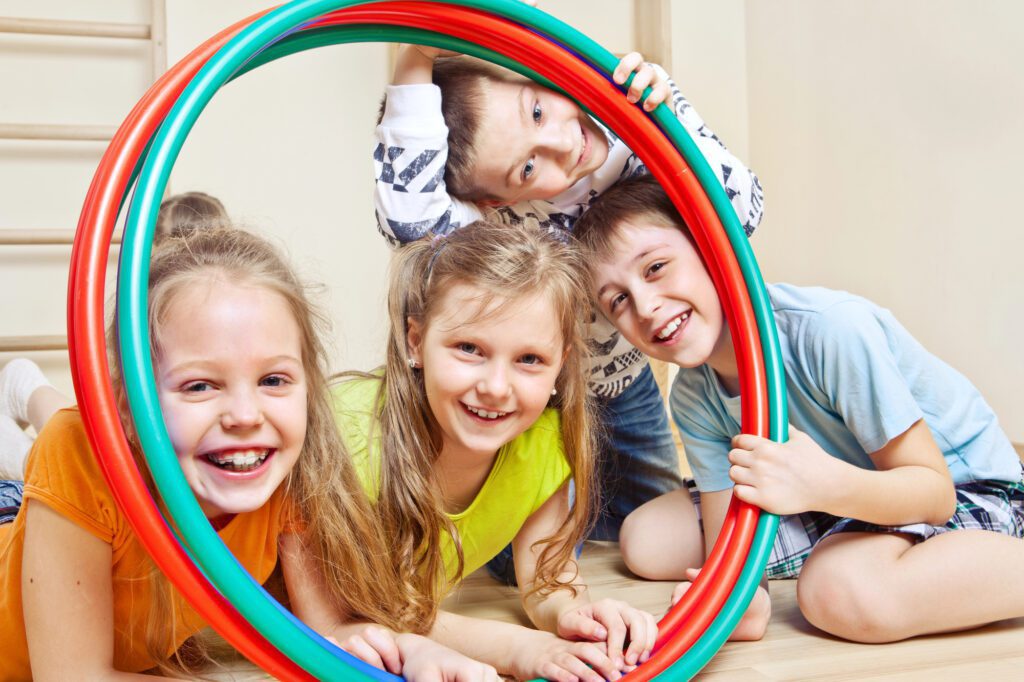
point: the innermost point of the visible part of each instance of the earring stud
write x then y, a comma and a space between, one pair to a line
554, 391
413, 364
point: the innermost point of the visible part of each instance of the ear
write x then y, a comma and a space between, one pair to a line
414, 339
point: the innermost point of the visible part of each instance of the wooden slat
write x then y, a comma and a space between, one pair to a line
42, 131
158, 36
85, 29
41, 237
21, 344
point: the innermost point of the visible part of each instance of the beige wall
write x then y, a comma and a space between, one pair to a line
887, 136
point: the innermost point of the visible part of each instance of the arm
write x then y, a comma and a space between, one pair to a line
68, 600
574, 616
410, 196
912, 483
413, 656
740, 183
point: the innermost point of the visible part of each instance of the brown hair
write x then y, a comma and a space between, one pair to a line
462, 81
344, 543
505, 264
187, 211
637, 197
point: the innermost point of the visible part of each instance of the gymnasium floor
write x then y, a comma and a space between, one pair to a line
791, 650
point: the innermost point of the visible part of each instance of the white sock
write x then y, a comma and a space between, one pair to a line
14, 447
18, 379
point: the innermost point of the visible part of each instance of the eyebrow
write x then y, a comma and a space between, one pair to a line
638, 257
523, 119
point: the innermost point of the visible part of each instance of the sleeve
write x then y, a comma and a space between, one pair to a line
740, 183
63, 474
410, 198
851, 360
705, 434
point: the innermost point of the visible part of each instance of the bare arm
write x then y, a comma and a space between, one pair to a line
912, 483
68, 600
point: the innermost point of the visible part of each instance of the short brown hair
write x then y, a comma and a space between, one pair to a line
461, 80
637, 197
188, 211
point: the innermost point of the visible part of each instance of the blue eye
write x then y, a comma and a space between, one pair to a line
467, 348
538, 113
197, 387
274, 381
531, 359
528, 169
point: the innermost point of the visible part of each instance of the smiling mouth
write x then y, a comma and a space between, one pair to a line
672, 329
585, 138
239, 460
487, 415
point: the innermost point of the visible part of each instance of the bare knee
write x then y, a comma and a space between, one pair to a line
660, 540
850, 604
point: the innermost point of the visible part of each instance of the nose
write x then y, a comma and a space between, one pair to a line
647, 302
243, 410
558, 137
495, 381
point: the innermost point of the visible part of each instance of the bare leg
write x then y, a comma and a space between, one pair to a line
26, 396
43, 403
873, 587
662, 538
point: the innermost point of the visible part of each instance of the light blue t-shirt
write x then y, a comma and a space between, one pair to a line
855, 379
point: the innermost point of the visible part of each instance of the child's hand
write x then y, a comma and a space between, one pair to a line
424, 660
752, 626
645, 76
782, 478
612, 622
547, 656
376, 646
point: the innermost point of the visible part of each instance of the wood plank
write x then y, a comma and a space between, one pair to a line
85, 29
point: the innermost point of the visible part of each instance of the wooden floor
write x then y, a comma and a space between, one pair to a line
791, 650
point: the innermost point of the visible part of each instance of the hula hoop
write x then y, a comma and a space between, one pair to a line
312, 10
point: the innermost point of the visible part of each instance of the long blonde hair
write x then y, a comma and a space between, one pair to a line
504, 263
339, 531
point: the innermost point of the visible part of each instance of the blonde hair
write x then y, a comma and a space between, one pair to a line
339, 531
505, 263
188, 211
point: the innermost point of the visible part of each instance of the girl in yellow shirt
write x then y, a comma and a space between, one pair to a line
469, 437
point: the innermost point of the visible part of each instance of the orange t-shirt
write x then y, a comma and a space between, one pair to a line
63, 475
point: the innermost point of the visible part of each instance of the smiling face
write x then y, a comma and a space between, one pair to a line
533, 143
233, 392
656, 291
489, 372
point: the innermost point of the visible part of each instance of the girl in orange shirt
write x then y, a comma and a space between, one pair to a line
239, 372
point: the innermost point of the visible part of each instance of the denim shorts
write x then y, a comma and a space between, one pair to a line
996, 506
11, 493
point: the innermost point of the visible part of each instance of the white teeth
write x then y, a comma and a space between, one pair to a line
670, 328
239, 460
486, 414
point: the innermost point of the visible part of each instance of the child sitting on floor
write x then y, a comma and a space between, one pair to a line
902, 499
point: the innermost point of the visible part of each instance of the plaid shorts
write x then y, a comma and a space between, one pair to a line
10, 499
997, 506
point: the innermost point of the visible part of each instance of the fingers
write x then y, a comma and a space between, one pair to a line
576, 625
748, 441
626, 66
361, 649
643, 631
386, 648
680, 590
748, 494
610, 613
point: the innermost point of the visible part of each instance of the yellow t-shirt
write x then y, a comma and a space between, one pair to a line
526, 473
63, 474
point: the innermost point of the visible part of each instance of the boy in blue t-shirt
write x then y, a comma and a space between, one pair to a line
902, 499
